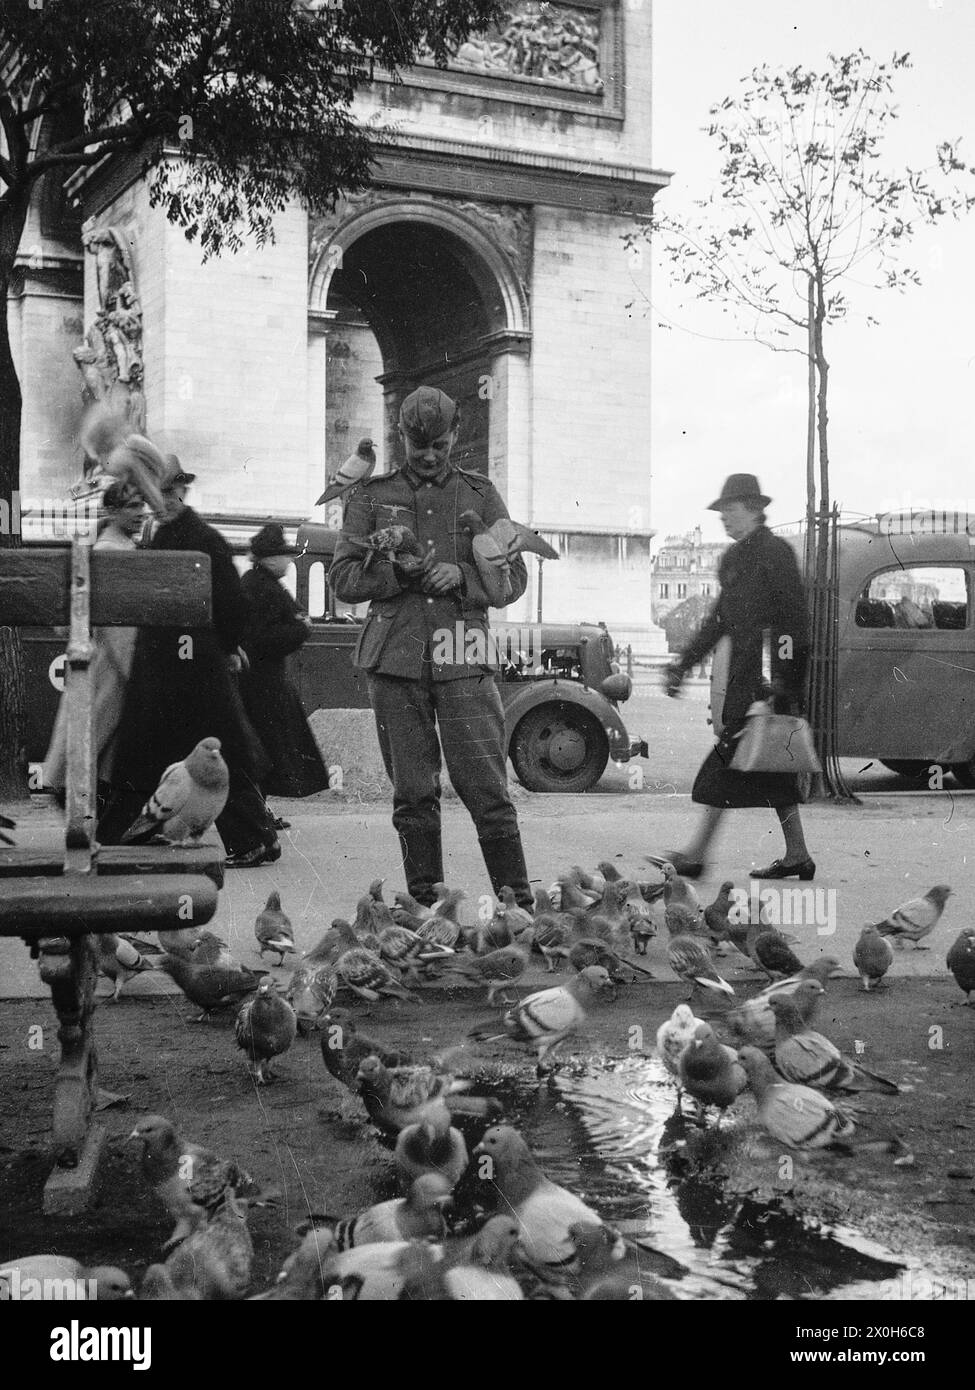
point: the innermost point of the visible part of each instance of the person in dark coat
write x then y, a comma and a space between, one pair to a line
183, 688
761, 592
275, 629
425, 646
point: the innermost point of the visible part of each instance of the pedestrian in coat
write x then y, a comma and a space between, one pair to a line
275, 628
425, 649
123, 513
761, 592
183, 688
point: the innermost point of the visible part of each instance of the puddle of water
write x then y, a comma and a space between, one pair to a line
609, 1133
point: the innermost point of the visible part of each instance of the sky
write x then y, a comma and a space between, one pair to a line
901, 394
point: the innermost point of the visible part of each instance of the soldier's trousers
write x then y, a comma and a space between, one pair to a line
470, 718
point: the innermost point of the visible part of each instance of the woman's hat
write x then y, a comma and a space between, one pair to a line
174, 473
740, 487
270, 541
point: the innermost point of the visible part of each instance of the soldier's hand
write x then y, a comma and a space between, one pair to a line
411, 564
442, 577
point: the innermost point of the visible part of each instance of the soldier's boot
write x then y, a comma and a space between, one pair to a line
422, 863
505, 861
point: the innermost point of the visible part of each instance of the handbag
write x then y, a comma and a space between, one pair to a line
774, 743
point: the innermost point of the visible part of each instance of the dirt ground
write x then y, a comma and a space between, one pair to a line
310, 1139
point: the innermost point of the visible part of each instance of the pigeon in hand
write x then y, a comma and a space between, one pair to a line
916, 918
873, 956
496, 546
710, 1072
961, 962
189, 1179
548, 1017
47, 1277
545, 1212
417, 1216
356, 469
209, 986
810, 1058
273, 929
189, 798
119, 960
265, 1028
796, 1116
7, 824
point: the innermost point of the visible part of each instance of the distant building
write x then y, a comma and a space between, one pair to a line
685, 567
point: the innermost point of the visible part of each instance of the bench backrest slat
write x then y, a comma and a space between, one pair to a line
137, 588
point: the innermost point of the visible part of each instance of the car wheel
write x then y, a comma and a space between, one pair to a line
559, 748
905, 767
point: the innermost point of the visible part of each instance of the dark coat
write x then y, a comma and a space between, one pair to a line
761, 590
180, 689
273, 632
402, 620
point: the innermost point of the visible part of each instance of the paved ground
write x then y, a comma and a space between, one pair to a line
870, 856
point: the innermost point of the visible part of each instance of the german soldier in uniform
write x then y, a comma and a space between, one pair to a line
424, 646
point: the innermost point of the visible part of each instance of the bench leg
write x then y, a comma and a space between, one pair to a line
70, 970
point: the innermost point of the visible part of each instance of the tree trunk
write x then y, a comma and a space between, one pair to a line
822, 367
13, 782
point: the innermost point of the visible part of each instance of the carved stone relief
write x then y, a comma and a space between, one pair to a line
554, 43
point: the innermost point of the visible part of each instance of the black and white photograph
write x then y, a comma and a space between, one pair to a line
487, 663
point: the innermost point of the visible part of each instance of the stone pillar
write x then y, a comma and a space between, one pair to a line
510, 454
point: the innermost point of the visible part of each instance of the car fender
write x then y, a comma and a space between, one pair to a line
527, 697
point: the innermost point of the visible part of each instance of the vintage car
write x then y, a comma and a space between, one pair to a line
559, 683
906, 642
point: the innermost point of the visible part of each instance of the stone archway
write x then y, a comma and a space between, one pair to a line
441, 289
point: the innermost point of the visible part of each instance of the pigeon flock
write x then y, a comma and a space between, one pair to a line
477, 1218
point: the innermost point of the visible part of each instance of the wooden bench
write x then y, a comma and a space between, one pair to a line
56, 902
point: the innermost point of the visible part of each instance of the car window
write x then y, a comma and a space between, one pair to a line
922, 596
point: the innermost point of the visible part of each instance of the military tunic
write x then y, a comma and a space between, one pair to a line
428, 659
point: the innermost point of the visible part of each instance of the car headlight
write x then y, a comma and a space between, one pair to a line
617, 687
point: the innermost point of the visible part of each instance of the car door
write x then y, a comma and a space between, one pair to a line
906, 687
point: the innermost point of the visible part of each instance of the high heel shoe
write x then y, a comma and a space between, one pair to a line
805, 870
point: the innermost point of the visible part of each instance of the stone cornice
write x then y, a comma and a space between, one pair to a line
460, 167
508, 174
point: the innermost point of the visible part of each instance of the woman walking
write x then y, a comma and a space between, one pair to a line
123, 514
275, 628
761, 592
